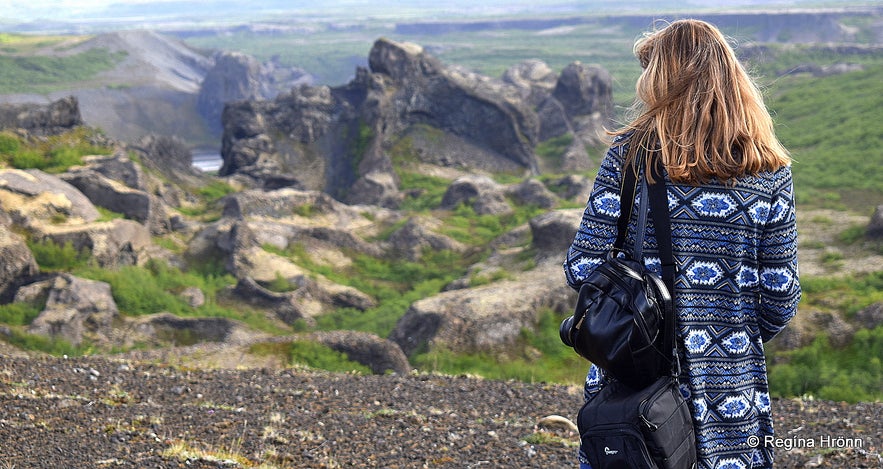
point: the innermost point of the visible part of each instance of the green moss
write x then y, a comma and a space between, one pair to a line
9, 144
423, 192
826, 124
52, 346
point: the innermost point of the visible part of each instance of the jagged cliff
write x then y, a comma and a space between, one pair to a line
338, 139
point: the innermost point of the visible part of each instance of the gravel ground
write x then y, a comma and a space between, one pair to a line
95, 413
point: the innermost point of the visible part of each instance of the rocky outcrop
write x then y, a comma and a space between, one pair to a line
335, 139
282, 203
488, 318
241, 248
51, 209
235, 76
533, 78
584, 90
270, 141
114, 243
134, 204
482, 193
454, 100
282, 305
76, 310
533, 193
553, 232
32, 197
573, 187
168, 329
416, 237
56, 117
380, 355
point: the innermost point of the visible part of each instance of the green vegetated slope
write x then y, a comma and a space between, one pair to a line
832, 125
36, 64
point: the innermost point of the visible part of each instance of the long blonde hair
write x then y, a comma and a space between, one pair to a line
697, 105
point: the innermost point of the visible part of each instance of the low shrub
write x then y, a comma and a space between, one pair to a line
52, 346
18, 314
52, 257
53, 154
853, 373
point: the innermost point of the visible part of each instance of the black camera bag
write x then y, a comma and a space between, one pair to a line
650, 428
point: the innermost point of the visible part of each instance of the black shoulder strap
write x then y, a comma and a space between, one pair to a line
626, 203
662, 224
658, 196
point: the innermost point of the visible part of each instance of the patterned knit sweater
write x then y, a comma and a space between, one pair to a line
735, 246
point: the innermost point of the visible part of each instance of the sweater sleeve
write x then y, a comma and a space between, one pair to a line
597, 229
780, 287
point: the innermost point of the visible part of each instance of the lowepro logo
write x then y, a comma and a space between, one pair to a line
609, 451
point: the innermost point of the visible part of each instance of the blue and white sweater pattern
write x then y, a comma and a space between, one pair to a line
735, 246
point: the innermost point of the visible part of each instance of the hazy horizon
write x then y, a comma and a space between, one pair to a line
86, 15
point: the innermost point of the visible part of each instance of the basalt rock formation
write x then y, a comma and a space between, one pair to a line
339, 140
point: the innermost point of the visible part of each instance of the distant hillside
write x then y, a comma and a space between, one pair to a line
831, 126
134, 83
145, 83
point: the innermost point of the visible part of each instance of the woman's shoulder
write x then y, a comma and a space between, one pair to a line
773, 179
767, 182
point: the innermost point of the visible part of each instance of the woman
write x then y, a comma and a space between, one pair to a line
733, 231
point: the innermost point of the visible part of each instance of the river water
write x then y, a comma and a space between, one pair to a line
207, 160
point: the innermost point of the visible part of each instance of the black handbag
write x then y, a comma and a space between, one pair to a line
618, 320
649, 425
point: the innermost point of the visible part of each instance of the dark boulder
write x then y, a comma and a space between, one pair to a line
482, 193
54, 118
234, 76
553, 232
381, 355
584, 89
134, 204
76, 310
875, 227
532, 192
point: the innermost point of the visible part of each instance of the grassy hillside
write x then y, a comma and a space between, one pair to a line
832, 126
34, 64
